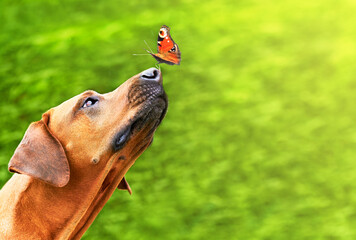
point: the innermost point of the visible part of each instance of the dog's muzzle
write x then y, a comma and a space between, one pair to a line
147, 94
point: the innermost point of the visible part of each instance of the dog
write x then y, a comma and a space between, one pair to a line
69, 163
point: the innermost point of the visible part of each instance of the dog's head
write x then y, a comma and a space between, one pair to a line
93, 134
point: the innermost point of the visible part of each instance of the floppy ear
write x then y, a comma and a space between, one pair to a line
40, 155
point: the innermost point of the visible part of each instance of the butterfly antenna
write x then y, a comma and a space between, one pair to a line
148, 46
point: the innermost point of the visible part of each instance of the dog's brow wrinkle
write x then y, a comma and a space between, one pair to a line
88, 93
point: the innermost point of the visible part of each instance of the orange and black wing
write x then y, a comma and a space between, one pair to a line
168, 50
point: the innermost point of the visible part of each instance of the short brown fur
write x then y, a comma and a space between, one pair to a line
66, 167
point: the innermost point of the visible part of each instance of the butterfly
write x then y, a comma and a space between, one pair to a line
168, 51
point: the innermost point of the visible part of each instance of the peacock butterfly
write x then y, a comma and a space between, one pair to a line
168, 51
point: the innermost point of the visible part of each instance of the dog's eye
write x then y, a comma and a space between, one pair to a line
89, 102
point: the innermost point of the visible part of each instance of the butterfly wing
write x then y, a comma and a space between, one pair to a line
169, 58
168, 50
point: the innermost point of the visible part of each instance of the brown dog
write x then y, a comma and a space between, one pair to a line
69, 163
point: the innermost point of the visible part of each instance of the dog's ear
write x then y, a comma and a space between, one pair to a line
41, 155
124, 185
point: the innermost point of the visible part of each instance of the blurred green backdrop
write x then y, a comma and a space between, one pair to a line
259, 140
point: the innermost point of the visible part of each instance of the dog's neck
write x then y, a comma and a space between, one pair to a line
81, 204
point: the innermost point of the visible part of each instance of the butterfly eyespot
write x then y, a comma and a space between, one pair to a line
173, 49
162, 32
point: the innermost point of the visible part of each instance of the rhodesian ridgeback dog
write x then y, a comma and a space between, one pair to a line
69, 163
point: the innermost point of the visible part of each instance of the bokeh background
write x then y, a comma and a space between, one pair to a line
259, 140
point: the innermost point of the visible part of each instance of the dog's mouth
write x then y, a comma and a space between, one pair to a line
151, 101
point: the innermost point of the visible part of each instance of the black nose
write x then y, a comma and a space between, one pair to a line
151, 74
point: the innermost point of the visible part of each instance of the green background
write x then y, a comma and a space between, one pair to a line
259, 140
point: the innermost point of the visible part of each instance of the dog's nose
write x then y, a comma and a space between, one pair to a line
151, 74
